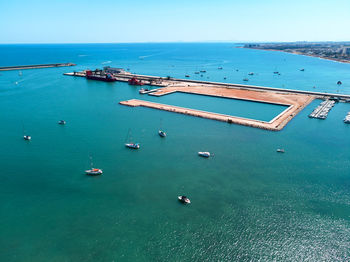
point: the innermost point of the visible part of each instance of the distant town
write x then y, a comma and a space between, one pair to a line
338, 51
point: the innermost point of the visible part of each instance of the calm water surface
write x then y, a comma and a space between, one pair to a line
249, 203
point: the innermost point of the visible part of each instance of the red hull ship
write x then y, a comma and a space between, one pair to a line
100, 77
135, 82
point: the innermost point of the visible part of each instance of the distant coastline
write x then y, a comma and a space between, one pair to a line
338, 52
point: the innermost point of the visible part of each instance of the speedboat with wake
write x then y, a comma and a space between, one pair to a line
184, 199
204, 154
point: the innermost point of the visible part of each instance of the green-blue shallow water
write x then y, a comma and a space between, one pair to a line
249, 203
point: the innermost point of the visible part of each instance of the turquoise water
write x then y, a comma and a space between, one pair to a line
248, 202
234, 107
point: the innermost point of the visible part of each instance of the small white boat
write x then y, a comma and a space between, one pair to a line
143, 91
279, 150
94, 172
204, 154
61, 122
161, 133
220, 68
133, 145
26, 137
184, 199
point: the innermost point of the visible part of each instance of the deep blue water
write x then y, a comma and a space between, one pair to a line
249, 203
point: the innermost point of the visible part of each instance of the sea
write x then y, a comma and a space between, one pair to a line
248, 202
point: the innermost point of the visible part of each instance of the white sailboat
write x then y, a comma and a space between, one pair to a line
131, 144
93, 171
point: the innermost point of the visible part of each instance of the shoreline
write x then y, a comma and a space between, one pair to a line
299, 53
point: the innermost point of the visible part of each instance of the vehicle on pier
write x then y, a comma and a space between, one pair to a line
93, 171
184, 199
204, 154
100, 76
135, 82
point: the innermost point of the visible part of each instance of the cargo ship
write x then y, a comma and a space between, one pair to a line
100, 75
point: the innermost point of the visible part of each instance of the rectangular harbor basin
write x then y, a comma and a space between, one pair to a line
227, 106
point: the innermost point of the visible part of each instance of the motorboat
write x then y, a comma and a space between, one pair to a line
302, 70
251, 73
220, 68
161, 133
245, 79
204, 154
184, 199
203, 71
280, 150
26, 137
62, 122
133, 145
143, 90
187, 75
339, 83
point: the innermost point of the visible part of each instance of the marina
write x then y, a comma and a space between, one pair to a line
321, 112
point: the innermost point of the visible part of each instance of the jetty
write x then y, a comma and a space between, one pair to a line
22, 67
321, 112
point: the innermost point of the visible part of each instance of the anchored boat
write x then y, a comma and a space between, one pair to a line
61, 122
93, 171
131, 145
204, 154
184, 199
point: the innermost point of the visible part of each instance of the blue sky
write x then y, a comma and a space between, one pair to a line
77, 21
